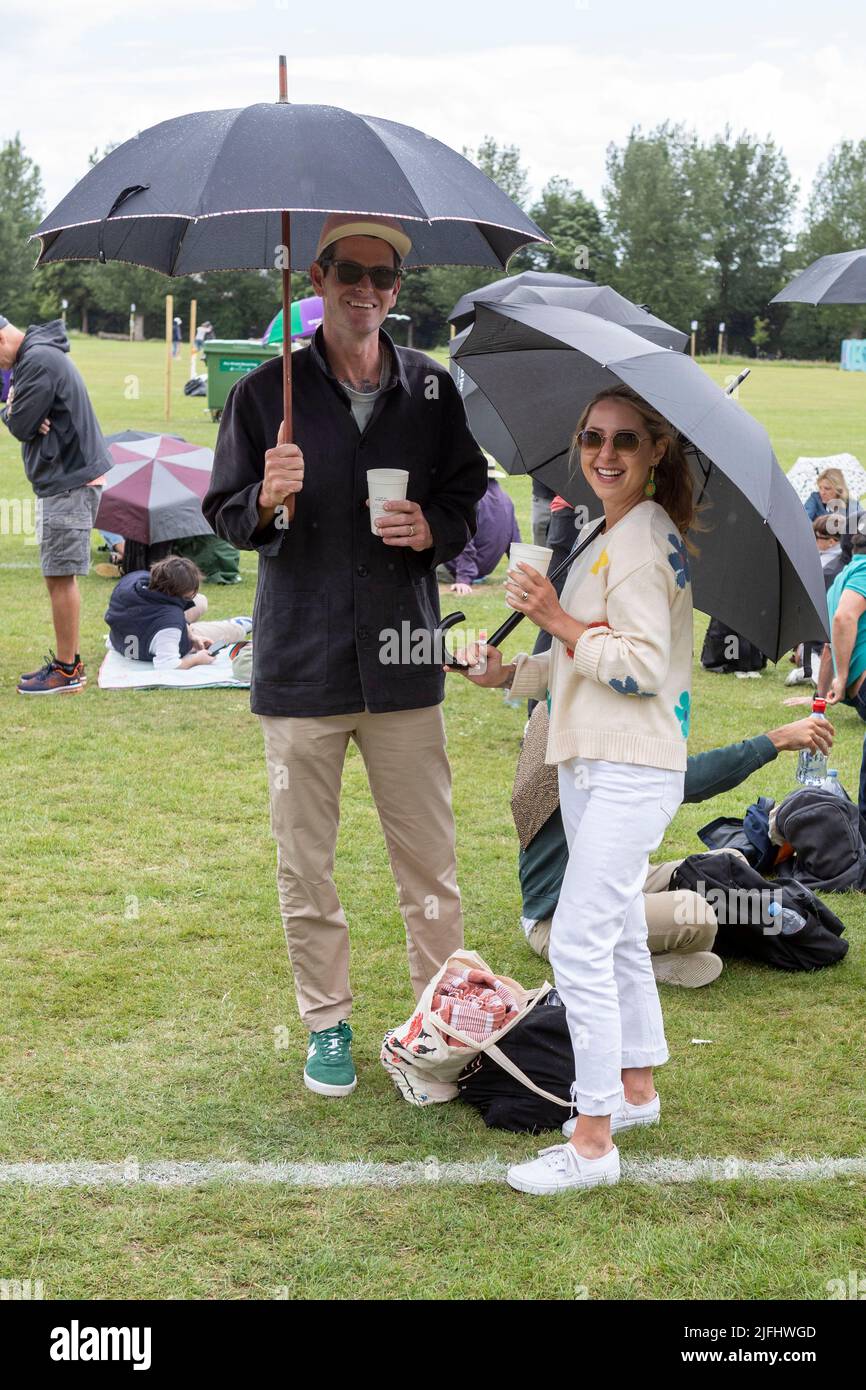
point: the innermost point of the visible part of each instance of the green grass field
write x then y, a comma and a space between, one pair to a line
147, 995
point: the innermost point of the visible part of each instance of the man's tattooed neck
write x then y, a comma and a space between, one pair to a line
366, 383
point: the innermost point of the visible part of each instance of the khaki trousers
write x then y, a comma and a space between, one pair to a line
410, 778
679, 920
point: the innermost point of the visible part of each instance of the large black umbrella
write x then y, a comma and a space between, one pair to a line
758, 568
464, 310
600, 300
839, 279
250, 188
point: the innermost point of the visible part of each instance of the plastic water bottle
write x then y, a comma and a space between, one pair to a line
812, 767
832, 784
786, 922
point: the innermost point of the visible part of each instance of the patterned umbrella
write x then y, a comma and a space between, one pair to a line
153, 493
803, 475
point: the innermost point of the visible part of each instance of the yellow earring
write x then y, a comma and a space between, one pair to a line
649, 490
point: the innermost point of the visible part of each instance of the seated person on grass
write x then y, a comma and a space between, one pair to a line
155, 616
681, 925
496, 528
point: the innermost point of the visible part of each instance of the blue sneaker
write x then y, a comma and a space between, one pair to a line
330, 1070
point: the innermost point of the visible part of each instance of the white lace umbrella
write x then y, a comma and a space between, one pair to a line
803, 475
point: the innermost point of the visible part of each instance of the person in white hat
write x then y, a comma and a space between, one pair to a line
334, 607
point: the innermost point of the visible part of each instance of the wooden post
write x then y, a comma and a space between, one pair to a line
169, 329
721, 341
192, 361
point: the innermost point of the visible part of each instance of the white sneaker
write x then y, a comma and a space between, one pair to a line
691, 969
628, 1117
561, 1167
795, 677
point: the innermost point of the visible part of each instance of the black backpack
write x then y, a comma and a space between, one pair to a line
739, 897
540, 1045
720, 653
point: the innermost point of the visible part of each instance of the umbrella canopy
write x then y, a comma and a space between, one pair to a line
305, 318
464, 310
839, 279
250, 188
758, 568
206, 192
607, 303
600, 300
803, 475
154, 491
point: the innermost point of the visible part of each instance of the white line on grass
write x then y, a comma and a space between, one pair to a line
653, 1172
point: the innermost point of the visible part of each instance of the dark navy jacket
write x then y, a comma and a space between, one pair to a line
136, 613
327, 588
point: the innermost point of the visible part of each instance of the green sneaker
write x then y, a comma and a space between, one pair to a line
330, 1070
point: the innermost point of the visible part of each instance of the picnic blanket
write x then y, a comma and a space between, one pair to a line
119, 672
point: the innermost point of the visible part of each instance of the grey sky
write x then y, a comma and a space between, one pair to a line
560, 79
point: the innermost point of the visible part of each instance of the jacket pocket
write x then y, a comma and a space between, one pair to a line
290, 638
406, 635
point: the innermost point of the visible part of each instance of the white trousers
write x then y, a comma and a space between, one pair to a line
615, 815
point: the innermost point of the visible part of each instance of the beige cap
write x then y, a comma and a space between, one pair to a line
340, 224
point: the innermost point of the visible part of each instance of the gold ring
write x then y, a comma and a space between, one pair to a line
411, 530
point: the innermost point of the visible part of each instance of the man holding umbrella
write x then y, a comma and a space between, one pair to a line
332, 595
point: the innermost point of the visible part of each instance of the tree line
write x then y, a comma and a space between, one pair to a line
696, 230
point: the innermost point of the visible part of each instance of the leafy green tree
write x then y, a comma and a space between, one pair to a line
441, 286
835, 221
745, 186
581, 246
20, 213
659, 223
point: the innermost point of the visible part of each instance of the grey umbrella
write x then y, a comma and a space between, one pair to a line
758, 568
464, 310
839, 279
250, 188
601, 300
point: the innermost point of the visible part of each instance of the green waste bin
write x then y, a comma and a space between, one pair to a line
227, 361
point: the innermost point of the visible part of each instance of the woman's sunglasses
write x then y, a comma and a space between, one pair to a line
624, 441
383, 277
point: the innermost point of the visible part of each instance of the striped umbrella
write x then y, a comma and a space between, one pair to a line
154, 491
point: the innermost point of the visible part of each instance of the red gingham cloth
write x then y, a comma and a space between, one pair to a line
474, 1002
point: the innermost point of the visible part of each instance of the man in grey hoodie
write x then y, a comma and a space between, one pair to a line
66, 460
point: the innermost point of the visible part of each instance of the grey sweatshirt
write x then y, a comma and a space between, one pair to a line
49, 385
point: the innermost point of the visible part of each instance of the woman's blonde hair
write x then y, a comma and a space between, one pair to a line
836, 478
673, 479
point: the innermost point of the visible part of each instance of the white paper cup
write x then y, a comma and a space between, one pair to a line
386, 485
538, 556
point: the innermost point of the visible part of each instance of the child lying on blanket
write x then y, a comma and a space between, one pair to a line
155, 616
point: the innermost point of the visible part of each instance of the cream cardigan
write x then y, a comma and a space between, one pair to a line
625, 694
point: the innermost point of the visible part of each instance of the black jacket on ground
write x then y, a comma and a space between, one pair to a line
48, 384
327, 587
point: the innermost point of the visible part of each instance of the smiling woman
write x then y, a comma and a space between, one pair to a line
619, 677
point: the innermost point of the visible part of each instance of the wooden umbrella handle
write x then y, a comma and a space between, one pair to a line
288, 502
286, 235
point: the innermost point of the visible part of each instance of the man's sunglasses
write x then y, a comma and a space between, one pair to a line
383, 277
625, 442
